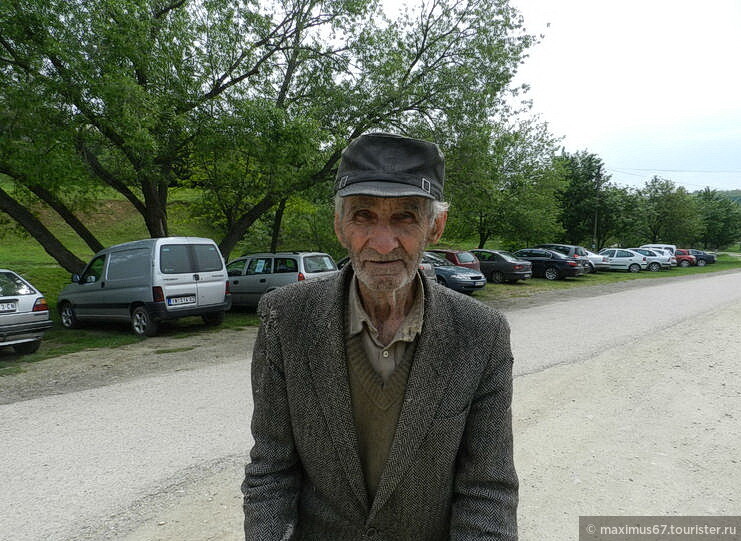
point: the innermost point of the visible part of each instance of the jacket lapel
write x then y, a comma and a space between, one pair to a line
329, 376
425, 389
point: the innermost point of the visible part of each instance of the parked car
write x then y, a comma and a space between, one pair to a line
460, 279
671, 248
597, 262
550, 264
148, 281
667, 253
684, 258
703, 258
461, 258
500, 266
624, 259
577, 252
656, 259
426, 268
253, 275
24, 314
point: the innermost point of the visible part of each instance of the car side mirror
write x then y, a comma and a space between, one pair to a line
75, 277
90, 279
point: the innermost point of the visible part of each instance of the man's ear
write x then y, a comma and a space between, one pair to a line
438, 226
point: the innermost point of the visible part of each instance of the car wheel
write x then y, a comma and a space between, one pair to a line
213, 318
684, 263
68, 317
26, 348
497, 277
551, 273
634, 267
701, 262
142, 323
654, 267
441, 281
590, 268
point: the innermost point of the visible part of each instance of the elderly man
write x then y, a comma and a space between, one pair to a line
382, 400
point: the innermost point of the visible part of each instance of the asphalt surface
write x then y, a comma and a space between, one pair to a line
623, 402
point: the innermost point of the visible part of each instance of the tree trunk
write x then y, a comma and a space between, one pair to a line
276, 224
43, 236
68, 216
235, 233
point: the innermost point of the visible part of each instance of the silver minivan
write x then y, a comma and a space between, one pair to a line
148, 281
253, 275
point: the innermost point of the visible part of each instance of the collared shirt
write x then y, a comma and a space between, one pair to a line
385, 359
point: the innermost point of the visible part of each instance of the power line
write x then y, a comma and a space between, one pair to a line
730, 171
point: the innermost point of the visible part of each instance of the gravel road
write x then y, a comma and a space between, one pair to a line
626, 402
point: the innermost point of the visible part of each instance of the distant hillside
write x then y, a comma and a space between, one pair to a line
735, 195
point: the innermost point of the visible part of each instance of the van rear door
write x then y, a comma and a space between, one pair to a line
191, 275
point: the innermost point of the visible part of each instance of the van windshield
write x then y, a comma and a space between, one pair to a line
188, 258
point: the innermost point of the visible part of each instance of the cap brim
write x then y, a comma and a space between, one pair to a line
379, 188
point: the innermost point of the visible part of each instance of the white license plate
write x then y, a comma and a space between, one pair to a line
176, 301
479, 283
8, 307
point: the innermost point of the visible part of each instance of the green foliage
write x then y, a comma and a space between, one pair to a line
720, 217
670, 213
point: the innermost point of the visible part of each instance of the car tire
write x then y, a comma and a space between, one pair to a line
26, 348
441, 281
684, 263
701, 262
634, 267
212, 319
142, 322
551, 273
68, 317
654, 266
497, 277
590, 268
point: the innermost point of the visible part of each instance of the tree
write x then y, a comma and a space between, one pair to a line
670, 213
583, 199
146, 90
720, 218
502, 183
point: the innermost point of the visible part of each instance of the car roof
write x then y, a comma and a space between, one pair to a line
271, 254
446, 250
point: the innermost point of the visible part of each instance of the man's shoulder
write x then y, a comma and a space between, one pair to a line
465, 306
301, 297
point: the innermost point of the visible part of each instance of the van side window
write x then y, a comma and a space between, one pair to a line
285, 264
174, 259
235, 268
94, 271
128, 264
260, 265
208, 258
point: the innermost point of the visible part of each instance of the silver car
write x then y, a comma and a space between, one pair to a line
624, 259
656, 259
24, 314
253, 275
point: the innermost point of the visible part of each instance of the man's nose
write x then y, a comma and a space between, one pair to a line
383, 239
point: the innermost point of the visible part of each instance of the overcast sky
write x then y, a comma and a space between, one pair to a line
651, 86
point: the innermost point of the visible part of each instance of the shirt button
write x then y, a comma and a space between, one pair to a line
385, 353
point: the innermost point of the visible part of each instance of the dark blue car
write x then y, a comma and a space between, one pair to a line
457, 278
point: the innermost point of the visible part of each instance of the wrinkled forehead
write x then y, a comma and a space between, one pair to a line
389, 204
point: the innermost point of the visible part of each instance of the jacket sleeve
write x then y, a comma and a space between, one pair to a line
485, 487
273, 476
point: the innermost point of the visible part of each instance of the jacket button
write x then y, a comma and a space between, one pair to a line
370, 532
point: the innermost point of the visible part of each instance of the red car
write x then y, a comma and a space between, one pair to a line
684, 258
460, 258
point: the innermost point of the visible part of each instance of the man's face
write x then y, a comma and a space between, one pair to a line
385, 237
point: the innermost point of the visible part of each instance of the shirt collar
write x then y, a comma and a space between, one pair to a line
410, 327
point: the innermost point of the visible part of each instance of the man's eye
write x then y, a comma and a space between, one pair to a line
405, 217
362, 216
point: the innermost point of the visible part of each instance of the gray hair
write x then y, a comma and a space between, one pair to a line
432, 207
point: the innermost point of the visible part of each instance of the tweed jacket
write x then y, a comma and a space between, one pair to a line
450, 473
